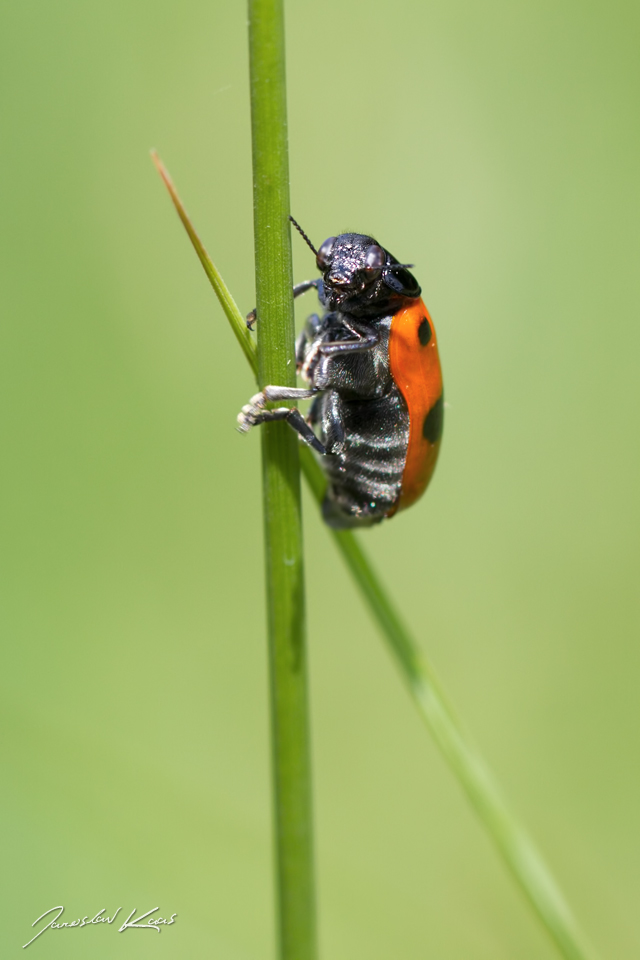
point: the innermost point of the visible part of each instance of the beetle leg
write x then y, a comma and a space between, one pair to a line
307, 335
260, 400
349, 346
309, 361
332, 348
254, 413
295, 420
301, 288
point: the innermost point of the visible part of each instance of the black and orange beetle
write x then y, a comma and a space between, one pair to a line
372, 364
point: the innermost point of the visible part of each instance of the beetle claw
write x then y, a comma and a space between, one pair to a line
250, 413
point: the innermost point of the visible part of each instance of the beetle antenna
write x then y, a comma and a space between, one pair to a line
402, 266
303, 234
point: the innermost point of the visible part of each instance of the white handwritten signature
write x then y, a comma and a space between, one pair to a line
153, 923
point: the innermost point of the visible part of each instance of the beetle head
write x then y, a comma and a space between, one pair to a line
359, 276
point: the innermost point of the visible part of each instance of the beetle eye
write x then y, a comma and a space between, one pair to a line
324, 253
374, 259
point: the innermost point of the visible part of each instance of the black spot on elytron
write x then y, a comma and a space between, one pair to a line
432, 426
424, 332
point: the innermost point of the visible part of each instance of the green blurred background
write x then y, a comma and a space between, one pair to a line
496, 147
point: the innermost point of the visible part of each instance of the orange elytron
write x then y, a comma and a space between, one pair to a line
415, 368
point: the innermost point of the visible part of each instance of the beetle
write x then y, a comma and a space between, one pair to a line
372, 364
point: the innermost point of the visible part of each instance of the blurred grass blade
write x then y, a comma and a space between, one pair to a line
521, 856
517, 849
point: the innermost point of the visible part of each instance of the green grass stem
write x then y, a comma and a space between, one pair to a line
291, 763
512, 840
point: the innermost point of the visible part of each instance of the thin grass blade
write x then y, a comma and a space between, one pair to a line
228, 304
